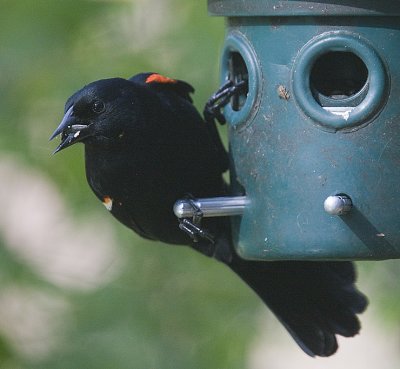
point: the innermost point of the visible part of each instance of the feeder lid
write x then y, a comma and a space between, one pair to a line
300, 8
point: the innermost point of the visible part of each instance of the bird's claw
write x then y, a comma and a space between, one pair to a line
195, 231
220, 98
193, 227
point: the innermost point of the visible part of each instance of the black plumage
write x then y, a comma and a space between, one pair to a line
147, 146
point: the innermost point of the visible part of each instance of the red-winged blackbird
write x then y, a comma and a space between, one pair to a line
147, 146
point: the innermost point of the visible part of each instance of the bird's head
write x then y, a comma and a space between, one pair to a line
94, 112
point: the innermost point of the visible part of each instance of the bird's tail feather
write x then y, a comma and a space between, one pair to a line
315, 301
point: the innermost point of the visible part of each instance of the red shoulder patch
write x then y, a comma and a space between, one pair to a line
155, 77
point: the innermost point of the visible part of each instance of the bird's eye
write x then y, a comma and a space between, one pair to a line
98, 107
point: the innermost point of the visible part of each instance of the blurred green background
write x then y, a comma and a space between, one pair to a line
77, 289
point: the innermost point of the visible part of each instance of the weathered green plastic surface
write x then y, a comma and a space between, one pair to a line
289, 154
299, 7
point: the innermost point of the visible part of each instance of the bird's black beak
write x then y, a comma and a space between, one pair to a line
70, 131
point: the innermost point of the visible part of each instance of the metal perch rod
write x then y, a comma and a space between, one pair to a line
211, 207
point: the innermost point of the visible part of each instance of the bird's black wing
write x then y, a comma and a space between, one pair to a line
166, 86
315, 301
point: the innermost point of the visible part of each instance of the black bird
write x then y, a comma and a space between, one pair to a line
147, 146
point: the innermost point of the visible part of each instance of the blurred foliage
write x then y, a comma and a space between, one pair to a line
169, 308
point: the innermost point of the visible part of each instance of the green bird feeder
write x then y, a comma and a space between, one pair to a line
315, 136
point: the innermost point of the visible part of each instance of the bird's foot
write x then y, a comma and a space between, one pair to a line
193, 227
195, 231
220, 98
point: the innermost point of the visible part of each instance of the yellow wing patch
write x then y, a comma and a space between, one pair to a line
108, 202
